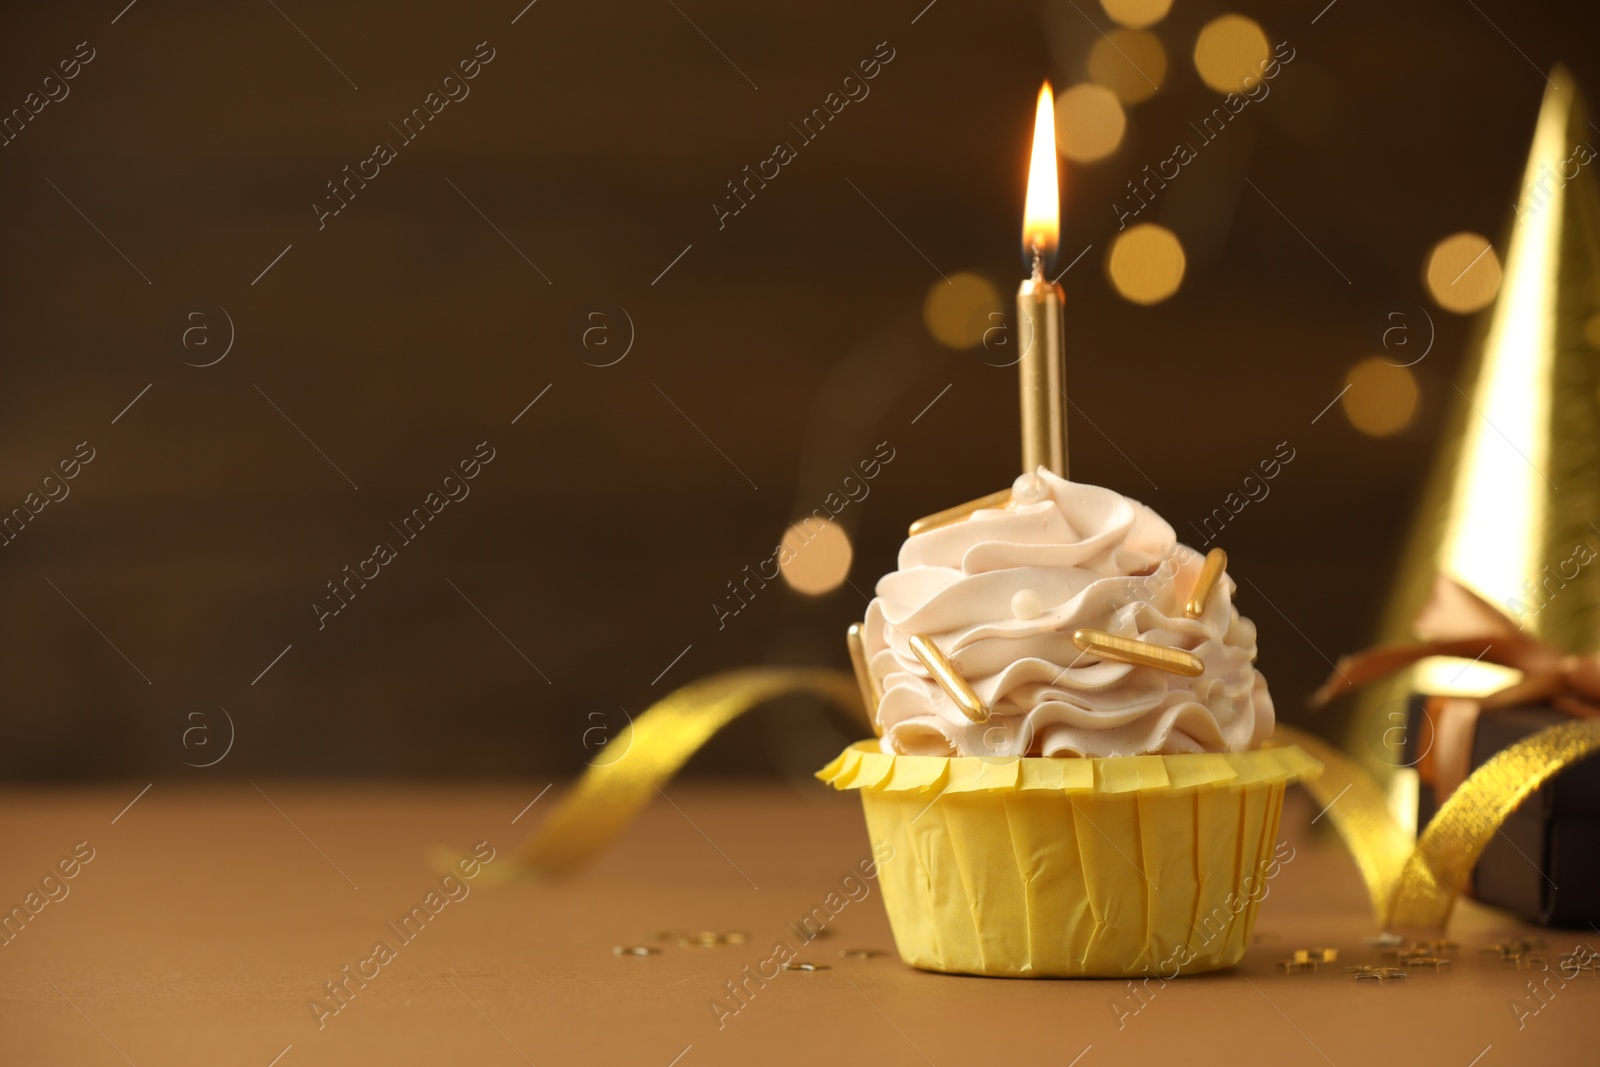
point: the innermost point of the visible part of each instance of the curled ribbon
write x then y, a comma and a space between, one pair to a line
654, 747
1417, 887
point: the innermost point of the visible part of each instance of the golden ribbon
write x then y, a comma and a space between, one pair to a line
1357, 806
1438, 868
1417, 887
652, 749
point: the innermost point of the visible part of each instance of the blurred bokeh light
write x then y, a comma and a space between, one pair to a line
1146, 263
1463, 273
956, 312
1089, 122
1137, 14
1382, 397
1131, 63
818, 557
1229, 50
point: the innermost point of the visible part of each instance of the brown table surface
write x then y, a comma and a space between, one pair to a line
209, 919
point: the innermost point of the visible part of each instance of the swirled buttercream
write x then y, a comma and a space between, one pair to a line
1001, 592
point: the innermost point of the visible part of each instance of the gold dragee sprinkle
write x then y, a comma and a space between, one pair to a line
634, 950
711, 939
1210, 573
944, 672
870, 697
959, 512
1139, 653
805, 966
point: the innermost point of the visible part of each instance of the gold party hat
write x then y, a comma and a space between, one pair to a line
1512, 506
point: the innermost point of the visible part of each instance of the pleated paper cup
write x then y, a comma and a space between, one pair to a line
1041, 867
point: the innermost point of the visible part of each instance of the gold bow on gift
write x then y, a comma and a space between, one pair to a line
1417, 887
1455, 621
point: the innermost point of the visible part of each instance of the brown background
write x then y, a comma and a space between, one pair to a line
409, 330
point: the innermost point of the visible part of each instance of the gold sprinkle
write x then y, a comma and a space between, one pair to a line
709, 939
805, 967
1315, 955
960, 511
1139, 653
870, 697
861, 953
1516, 950
944, 672
1210, 573
1581, 958
634, 950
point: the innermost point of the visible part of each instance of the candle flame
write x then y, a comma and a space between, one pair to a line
1041, 213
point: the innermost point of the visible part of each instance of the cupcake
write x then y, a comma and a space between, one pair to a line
1070, 774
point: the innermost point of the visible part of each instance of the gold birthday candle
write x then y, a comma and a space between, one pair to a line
1210, 572
1040, 365
960, 511
1139, 653
944, 672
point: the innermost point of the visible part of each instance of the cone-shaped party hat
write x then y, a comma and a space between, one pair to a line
1512, 507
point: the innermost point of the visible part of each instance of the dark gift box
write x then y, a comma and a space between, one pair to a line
1544, 864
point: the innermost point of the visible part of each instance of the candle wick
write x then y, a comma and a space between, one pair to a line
1038, 262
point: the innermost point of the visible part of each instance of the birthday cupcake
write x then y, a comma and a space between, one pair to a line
1069, 774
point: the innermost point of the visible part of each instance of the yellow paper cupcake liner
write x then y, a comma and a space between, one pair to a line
1039, 867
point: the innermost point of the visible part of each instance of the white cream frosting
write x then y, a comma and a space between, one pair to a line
1001, 593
